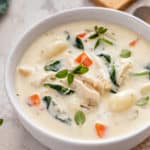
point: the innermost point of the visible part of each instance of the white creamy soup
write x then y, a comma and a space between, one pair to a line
86, 80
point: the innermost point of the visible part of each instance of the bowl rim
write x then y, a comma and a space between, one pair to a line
53, 135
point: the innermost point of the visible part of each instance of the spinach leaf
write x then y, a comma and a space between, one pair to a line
79, 117
70, 78
60, 89
93, 36
54, 66
106, 57
113, 75
62, 73
68, 35
80, 69
47, 100
97, 43
1, 121
125, 53
143, 101
4, 4
78, 43
65, 119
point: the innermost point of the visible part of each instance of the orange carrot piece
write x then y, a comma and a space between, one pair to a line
134, 42
81, 35
100, 129
35, 99
84, 59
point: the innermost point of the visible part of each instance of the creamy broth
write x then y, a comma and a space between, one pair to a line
109, 94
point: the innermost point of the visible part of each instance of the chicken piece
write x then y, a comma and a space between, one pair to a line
100, 84
124, 70
90, 96
145, 90
25, 70
44, 77
55, 49
122, 101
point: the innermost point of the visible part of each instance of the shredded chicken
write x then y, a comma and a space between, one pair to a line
124, 70
90, 96
25, 70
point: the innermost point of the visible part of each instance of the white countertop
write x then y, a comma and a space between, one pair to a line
21, 15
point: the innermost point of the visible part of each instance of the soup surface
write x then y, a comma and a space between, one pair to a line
86, 80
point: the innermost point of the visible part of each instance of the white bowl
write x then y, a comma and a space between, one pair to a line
54, 141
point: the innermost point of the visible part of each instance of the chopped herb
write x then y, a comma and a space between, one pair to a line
78, 43
97, 43
68, 35
70, 78
63, 119
125, 53
143, 101
62, 73
79, 117
60, 89
4, 4
47, 100
93, 36
107, 41
80, 69
113, 75
106, 56
1, 121
54, 66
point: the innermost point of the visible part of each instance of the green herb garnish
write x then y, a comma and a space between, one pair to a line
70, 78
141, 73
79, 117
113, 75
1, 121
4, 4
60, 89
100, 30
47, 100
78, 43
80, 69
106, 57
125, 53
143, 101
54, 66
106, 41
62, 73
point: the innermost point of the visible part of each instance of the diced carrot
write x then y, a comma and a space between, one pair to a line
100, 129
134, 42
34, 99
81, 35
84, 59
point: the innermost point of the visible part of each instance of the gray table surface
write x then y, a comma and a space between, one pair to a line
21, 15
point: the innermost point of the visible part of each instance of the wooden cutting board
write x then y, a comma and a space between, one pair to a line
115, 4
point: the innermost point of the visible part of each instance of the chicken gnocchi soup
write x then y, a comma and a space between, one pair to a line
86, 80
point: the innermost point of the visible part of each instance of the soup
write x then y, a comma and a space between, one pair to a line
86, 80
